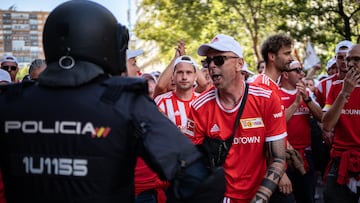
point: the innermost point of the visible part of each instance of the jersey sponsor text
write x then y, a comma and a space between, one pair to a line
247, 140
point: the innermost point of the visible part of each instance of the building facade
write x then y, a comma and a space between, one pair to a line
21, 34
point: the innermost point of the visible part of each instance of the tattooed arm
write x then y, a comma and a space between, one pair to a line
276, 156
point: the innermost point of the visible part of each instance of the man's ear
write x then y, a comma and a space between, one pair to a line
240, 64
271, 56
285, 75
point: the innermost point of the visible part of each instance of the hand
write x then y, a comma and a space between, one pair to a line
328, 137
301, 87
180, 49
285, 185
351, 79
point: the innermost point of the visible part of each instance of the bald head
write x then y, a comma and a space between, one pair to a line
353, 57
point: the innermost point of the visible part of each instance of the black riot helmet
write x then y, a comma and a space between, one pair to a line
82, 40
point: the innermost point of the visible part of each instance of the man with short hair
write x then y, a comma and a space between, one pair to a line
276, 52
342, 114
37, 66
261, 130
10, 64
176, 104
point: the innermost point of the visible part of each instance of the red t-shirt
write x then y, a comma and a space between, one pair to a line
262, 121
175, 108
298, 126
346, 131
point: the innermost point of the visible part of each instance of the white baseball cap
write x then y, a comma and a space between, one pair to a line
133, 53
9, 58
345, 43
221, 42
246, 69
185, 59
149, 76
330, 63
294, 63
4, 76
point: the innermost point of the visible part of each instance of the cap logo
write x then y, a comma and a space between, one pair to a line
215, 40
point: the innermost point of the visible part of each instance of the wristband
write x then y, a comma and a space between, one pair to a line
308, 100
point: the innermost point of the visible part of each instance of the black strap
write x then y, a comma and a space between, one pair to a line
238, 116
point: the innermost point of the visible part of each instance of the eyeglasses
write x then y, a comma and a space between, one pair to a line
298, 70
13, 68
218, 60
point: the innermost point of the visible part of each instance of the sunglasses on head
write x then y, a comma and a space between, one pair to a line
218, 60
13, 68
298, 70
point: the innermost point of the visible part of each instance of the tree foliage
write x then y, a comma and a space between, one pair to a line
324, 22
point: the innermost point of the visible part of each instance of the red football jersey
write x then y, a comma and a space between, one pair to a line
262, 121
174, 108
323, 88
298, 126
346, 131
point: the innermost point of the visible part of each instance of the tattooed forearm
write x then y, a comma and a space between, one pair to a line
276, 168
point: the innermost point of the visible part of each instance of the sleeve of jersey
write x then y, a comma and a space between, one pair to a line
330, 99
194, 130
164, 145
274, 119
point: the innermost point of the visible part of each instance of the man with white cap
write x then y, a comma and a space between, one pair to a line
10, 64
258, 131
342, 117
323, 88
133, 69
299, 107
331, 67
176, 104
246, 72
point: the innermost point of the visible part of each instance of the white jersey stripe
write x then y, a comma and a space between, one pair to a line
203, 102
170, 110
182, 111
226, 200
259, 94
200, 100
255, 88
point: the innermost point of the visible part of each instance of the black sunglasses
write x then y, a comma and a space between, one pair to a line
298, 70
218, 60
13, 68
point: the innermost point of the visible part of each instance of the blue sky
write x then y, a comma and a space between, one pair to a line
118, 7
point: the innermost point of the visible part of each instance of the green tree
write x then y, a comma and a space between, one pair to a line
324, 22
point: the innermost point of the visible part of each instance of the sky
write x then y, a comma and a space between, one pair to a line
118, 7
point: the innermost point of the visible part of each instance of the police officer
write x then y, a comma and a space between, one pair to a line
74, 135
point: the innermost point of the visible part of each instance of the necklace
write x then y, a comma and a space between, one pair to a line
236, 101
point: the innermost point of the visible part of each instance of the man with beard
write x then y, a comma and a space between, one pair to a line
342, 114
276, 52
